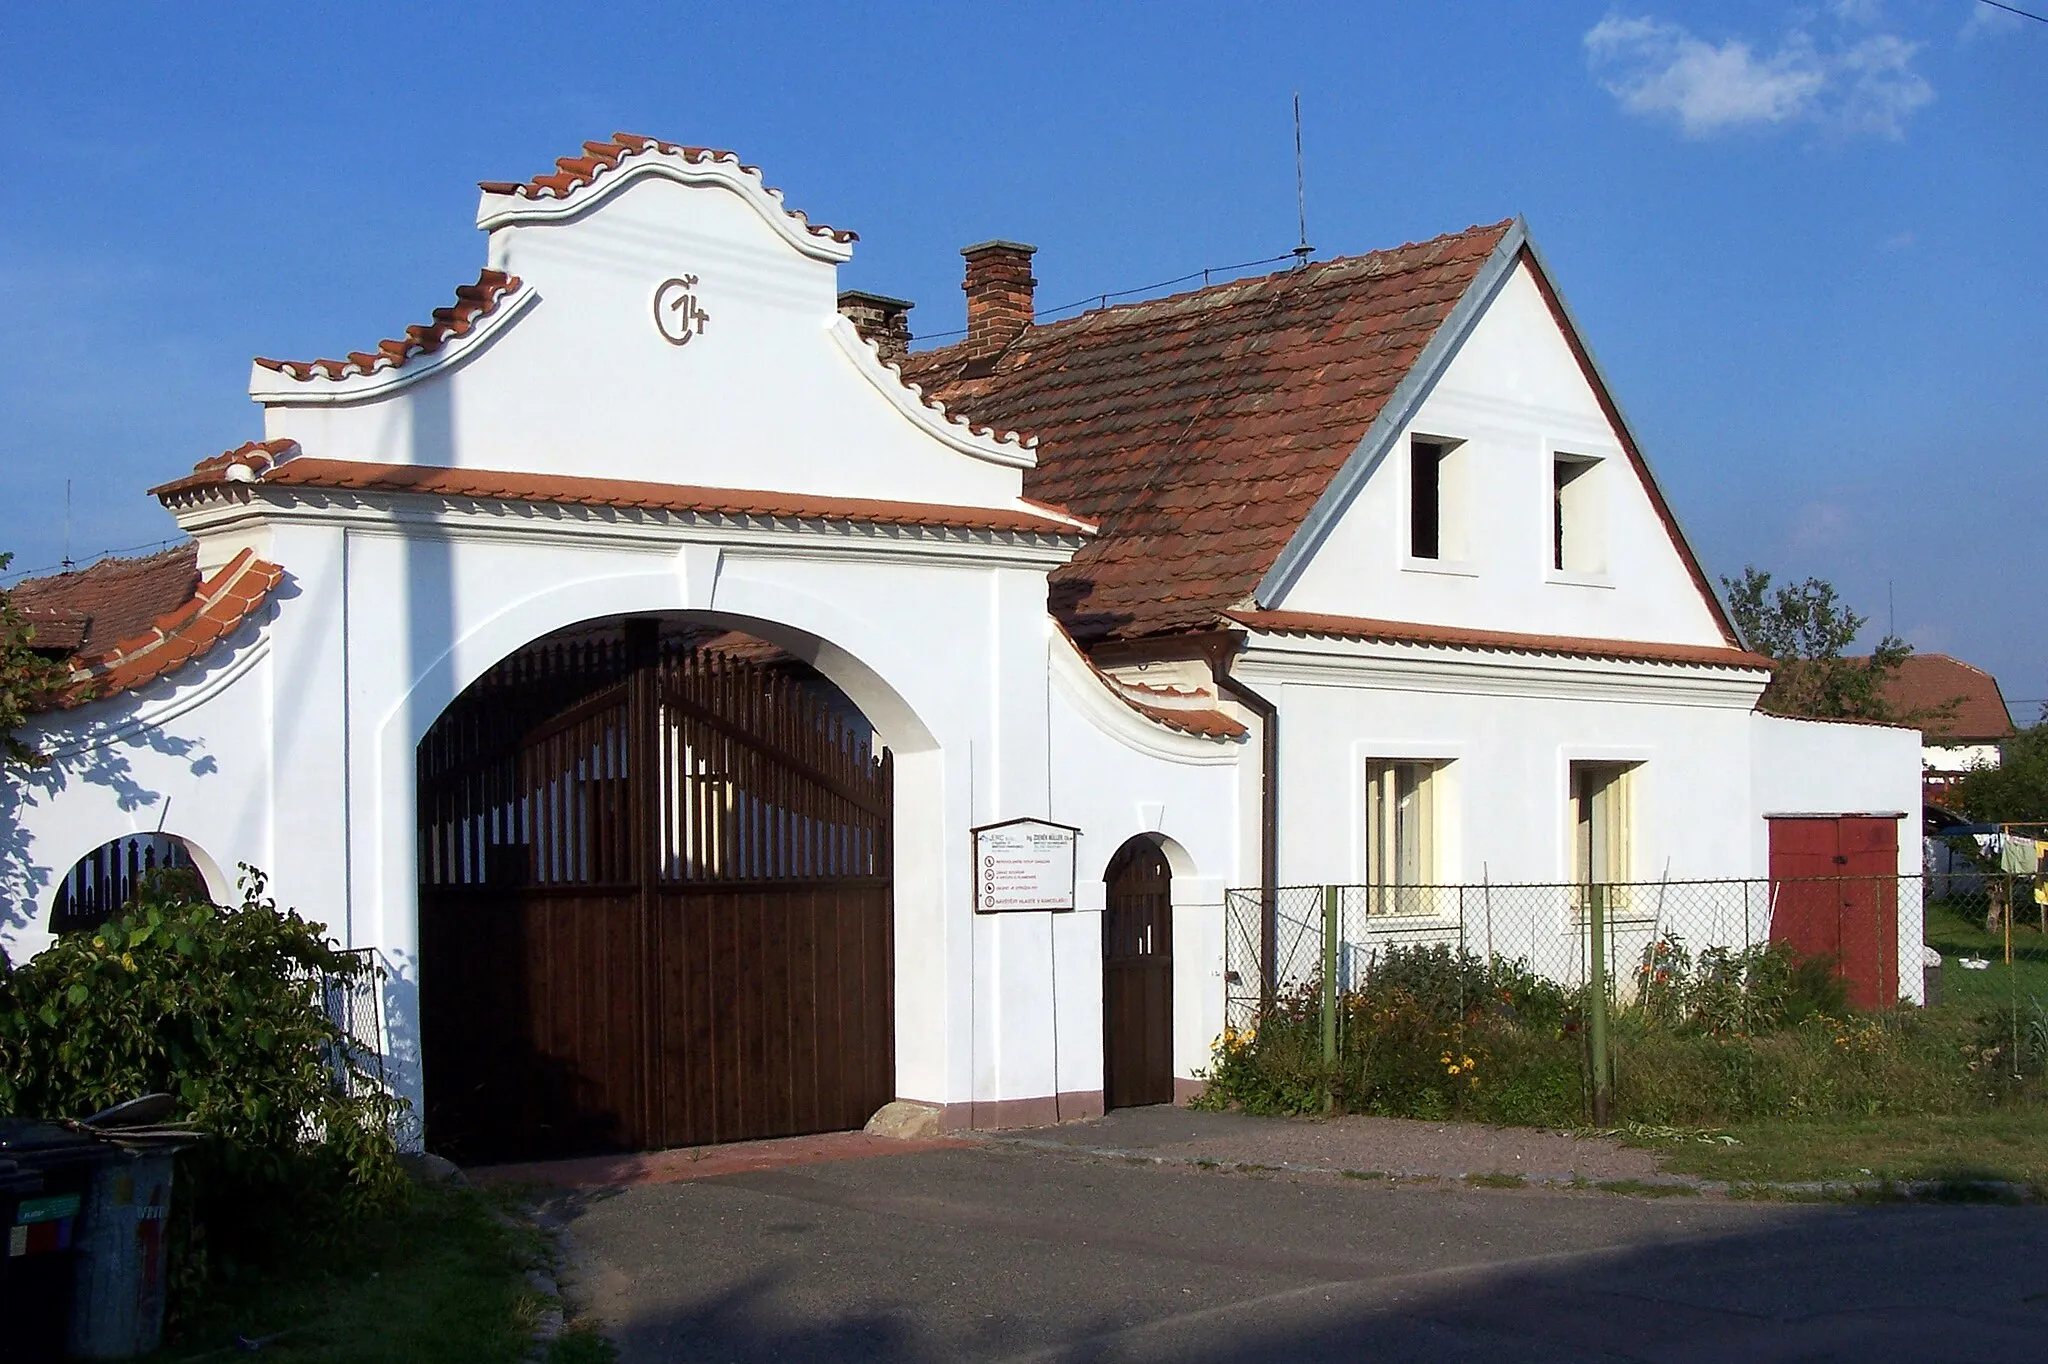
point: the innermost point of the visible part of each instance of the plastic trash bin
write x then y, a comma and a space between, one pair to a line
118, 1312
42, 1234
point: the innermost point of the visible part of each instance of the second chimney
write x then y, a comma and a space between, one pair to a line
880, 319
998, 288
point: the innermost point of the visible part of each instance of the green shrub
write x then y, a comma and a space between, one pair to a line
220, 1008
1723, 1036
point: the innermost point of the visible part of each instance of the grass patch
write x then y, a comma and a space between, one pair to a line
1999, 1144
1496, 1181
1956, 935
1642, 1188
439, 1282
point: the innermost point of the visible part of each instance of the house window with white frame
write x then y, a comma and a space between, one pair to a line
1403, 828
1602, 828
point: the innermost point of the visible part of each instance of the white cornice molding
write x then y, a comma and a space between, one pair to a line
956, 433
628, 529
496, 210
1076, 680
272, 389
1377, 665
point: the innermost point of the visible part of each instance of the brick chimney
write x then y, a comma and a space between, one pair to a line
880, 319
998, 289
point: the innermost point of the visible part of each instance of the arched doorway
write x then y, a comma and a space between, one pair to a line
655, 899
1137, 977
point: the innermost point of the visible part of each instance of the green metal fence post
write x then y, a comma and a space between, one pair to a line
1329, 985
1596, 1008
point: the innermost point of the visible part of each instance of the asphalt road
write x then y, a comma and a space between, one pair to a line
992, 1253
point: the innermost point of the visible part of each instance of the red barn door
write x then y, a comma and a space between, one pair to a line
1835, 894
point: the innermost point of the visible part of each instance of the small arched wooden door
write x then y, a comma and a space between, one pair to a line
1137, 978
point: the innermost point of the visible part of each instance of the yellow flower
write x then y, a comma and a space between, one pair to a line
128, 963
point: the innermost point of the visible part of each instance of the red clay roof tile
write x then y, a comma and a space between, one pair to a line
473, 303
614, 492
1447, 636
1927, 683
572, 173
1200, 429
114, 591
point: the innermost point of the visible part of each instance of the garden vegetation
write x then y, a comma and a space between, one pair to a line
1696, 1039
221, 1008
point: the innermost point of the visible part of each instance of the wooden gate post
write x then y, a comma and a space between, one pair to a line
1596, 1007
643, 718
1329, 988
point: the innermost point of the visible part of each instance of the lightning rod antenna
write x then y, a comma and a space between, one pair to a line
1302, 251
67, 526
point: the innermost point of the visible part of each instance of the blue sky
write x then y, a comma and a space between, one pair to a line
1806, 241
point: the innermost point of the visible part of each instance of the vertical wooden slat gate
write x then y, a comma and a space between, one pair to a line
654, 906
1137, 978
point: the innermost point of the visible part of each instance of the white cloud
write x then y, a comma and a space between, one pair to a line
1988, 21
1658, 68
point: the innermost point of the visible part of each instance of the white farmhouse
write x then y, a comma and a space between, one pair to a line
630, 655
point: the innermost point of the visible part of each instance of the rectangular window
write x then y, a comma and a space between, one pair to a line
1402, 835
1601, 819
1576, 540
1425, 499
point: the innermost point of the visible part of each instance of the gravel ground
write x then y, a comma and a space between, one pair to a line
1393, 1146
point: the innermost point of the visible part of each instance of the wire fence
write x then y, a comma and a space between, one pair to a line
1697, 948
354, 1004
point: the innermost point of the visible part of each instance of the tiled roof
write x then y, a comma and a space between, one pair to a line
114, 599
473, 303
156, 612
1200, 429
573, 173
489, 485
1453, 637
1926, 683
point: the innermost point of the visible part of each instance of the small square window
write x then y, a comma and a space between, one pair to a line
1436, 499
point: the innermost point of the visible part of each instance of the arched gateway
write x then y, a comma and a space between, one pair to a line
655, 902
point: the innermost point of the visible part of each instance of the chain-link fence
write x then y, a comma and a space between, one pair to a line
354, 1004
1624, 933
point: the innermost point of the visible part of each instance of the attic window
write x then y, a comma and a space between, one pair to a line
1435, 499
1577, 539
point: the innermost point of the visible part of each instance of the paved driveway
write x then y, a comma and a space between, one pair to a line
1002, 1253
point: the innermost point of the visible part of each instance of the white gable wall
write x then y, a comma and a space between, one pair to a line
1515, 396
776, 394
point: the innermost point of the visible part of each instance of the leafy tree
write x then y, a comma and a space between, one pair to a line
2014, 791
1805, 627
27, 679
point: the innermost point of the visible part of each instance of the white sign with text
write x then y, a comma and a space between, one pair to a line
1024, 864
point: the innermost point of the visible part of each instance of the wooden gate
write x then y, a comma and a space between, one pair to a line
654, 905
1835, 894
1137, 978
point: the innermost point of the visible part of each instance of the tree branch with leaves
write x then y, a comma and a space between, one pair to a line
28, 680
1805, 627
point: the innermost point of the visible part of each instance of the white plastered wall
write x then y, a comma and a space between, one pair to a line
1514, 397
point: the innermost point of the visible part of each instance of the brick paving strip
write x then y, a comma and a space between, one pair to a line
705, 1162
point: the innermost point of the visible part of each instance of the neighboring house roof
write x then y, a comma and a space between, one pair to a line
1204, 430
90, 609
1925, 683
143, 619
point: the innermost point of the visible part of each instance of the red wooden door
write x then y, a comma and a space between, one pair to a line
1835, 894
1137, 978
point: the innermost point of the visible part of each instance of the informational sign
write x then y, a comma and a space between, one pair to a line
677, 314
1024, 864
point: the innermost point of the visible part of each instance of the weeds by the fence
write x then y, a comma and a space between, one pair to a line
1721, 1035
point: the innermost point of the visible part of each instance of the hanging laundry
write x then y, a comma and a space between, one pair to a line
2019, 856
